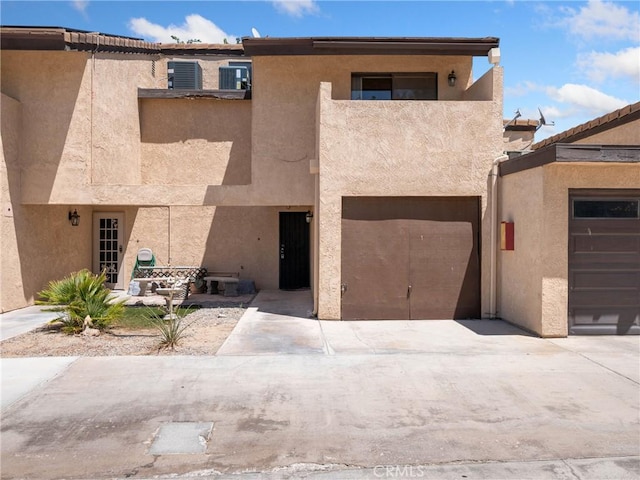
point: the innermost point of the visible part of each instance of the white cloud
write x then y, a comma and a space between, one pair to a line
599, 66
600, 19
80, 5
582, 99
522, 89
296, 8
194, 27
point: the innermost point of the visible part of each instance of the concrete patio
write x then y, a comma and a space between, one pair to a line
288, 396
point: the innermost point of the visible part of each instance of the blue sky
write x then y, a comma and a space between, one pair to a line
574, 60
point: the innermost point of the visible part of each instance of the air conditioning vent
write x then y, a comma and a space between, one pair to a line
234, 78
184, 76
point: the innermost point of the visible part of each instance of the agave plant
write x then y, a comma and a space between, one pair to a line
79, 295
171, 332
171, 328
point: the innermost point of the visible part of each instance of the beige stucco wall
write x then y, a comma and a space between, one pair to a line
230, 239
55, 125
82, 140
626, 134
534, 277
195, 142
36, 243
89, 144
72, 140
516, 141
80, 121
10, 268
519, 279
396, 148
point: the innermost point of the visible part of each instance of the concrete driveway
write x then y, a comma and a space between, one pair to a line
291, 397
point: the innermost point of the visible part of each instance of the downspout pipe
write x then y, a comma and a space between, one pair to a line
493, 285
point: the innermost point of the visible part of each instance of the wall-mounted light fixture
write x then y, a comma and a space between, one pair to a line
452, 79
74, 218
309, 216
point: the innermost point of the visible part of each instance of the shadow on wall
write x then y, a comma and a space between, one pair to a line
41, 244
49, 248
46, 118
243, 240
195, 142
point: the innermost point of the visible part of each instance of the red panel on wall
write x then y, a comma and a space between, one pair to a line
507, 237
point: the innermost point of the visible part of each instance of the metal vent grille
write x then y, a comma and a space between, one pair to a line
234, 78
184, 76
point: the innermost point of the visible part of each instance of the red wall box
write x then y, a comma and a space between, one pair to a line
507, 236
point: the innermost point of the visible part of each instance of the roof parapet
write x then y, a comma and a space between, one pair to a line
369, 46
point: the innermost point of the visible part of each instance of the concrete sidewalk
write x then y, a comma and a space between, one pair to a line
337, 400
24, 320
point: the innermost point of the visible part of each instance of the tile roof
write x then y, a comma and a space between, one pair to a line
520, 125
605, 122
61, 38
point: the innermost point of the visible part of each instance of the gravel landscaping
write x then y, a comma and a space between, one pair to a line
207, 329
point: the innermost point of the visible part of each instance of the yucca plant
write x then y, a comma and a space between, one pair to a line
171, 332
79, 295
171, 328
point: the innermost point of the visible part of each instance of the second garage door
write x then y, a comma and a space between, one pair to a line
604, 262
410, 258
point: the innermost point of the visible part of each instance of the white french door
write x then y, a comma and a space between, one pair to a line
108, 238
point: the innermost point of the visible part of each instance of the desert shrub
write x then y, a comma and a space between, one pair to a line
79, 295
170, 327
171, 331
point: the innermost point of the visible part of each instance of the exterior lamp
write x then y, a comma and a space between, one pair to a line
309, 216
74, 218
452, 79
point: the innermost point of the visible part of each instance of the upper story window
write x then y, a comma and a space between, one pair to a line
394, 86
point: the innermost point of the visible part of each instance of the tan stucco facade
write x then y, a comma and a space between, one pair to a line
533, 285
201, 180
416, 157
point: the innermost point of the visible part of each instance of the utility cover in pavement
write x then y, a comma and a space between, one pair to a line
181, 437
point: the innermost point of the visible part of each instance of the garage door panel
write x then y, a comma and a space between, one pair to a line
374, 268
606, 243
603, 227
605, 261
429, 243
595, 278
592, 321
604, 265
444, 270
602, 297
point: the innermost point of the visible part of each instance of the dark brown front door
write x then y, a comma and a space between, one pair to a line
294, 251
604, 262
410, 258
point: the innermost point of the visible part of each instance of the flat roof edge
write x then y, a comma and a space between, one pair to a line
160, 93
369, 46
571, 153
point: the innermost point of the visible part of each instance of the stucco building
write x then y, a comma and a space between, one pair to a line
574, 205
361, 168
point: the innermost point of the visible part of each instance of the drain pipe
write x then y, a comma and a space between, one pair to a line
493, 288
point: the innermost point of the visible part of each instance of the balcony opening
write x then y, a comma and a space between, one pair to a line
394, 86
